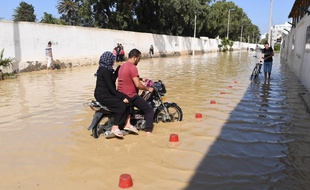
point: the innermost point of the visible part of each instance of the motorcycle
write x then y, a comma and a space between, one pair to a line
163, 112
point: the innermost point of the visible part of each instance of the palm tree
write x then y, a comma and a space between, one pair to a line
6, 61
24, 12
67, 7
48, 18
230, 43
225, 43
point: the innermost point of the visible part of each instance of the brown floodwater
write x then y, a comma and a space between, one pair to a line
256, 136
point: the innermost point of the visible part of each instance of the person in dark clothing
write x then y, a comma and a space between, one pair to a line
267, 53
118, 52
151, 52
122, 53
1, 75
106, 93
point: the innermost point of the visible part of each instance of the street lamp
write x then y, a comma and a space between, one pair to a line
228, 22
270, 22
242, 20
241, 33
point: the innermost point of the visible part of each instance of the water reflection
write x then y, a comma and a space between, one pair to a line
254, 137
265, 95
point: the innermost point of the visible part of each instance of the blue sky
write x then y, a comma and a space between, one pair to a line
257, 10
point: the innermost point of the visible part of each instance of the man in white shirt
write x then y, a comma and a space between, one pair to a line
49, 55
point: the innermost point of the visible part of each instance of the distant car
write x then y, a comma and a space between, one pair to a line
252, 47
255, 47
260, 46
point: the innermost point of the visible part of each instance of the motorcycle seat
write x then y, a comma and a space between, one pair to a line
98, 105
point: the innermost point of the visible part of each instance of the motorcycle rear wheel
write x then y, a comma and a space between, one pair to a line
175, 114
99, 129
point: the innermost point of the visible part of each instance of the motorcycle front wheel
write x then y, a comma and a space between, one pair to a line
175, 114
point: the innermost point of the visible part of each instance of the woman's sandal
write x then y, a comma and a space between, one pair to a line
131, 128
117, 132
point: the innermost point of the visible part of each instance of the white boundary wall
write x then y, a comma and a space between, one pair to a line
294, 53
26, 42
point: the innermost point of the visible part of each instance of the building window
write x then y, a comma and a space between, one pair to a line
307, 46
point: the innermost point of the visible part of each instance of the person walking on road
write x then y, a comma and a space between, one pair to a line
151, 52
49, 55
267, 53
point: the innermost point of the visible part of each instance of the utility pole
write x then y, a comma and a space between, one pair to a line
270, 23
228, 22
194, 36
241, 33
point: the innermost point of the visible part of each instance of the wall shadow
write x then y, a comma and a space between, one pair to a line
264, 142
17, 46
175, 48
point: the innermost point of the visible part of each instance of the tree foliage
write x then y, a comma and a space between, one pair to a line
277, 47
216, 23
50, 19
24, 12
226, 42
171, 17
85, 14
69, 9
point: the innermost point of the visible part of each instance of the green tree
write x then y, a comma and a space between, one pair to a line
172, 17
69, 9
115, 14
215, 22
123, 16
48, 18
175, 17
85, 14
277, 47
230, 43
225, 42
24, 12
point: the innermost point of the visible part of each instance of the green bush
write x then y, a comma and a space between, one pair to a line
5, 62
277, 47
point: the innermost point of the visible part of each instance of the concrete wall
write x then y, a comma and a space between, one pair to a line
73, 46
294, 52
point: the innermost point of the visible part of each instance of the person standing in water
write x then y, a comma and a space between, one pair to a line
267, 53
151, 51
49, 55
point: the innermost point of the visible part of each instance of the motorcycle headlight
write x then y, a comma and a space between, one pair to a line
160, 87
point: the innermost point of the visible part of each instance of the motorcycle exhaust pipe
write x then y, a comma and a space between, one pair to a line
109, 134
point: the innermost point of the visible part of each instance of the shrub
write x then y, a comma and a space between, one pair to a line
277, 47
5, 62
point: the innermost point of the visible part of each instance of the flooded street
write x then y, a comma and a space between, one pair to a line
256, 136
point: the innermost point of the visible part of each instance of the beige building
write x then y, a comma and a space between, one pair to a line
277, 32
